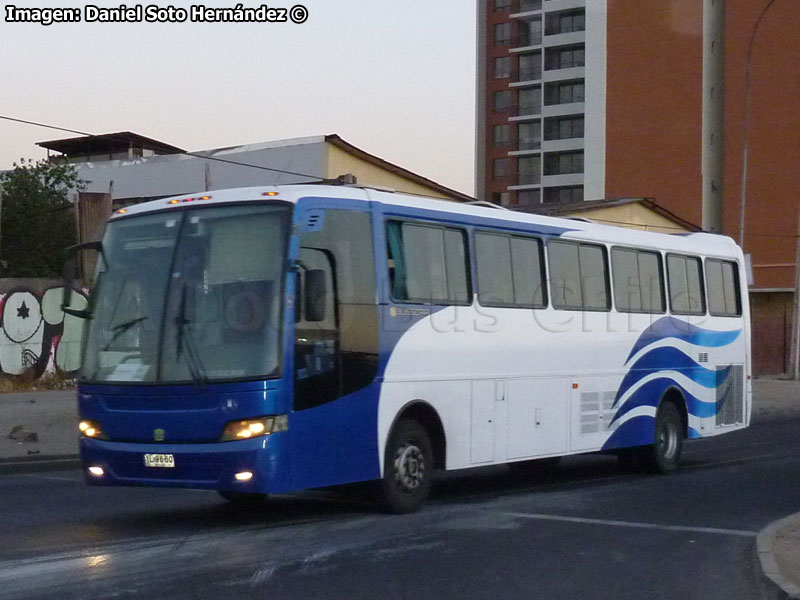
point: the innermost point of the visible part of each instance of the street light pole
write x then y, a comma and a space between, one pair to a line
747, 85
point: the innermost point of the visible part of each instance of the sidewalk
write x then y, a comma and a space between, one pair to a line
40, 428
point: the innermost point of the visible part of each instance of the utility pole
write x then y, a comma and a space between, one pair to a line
713, 113
794, 352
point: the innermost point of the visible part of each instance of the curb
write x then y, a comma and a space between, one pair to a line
39, 463
769, 566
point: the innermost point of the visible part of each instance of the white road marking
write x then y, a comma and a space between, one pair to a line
632, 524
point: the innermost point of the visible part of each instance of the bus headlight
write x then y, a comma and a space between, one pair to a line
91, 429
243, 430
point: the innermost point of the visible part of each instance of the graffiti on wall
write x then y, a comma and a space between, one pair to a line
36, 337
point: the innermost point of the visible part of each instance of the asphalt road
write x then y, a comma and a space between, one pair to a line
586, 530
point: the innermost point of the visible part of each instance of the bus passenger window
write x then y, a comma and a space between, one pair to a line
427, 264
638, 281
722, 283
686, 295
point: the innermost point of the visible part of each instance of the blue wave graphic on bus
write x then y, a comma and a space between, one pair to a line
670, 327
640, 430
667, 358
650, 393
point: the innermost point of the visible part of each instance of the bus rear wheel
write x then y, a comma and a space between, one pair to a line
407, 469
665, 453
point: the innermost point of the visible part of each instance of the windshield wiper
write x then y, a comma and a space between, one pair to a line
120, 329
196, 369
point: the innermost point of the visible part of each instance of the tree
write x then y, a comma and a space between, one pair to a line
37, 220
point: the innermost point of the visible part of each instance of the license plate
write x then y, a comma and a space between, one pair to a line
164, 461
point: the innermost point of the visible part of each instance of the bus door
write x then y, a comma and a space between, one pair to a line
334, 419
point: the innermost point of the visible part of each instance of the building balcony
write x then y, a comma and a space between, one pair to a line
549, 5
524, 111
560, 110
563, 74
563, 145
524, 8
523, 77
562, 39
562, 180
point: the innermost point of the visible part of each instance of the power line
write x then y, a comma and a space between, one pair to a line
193, 154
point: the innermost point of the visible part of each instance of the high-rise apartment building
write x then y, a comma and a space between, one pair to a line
539, 139
593, 99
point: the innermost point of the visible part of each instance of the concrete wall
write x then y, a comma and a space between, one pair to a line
179, 174
36, 337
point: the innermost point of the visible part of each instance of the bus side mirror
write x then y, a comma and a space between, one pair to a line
316, 293
71, 273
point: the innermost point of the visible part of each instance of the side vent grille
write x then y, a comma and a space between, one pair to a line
702, 357
730, 395
597, 411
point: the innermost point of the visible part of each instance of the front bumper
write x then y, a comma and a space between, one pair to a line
200, 466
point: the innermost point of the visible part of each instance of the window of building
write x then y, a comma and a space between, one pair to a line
563, 163
563, 194
529, 197
722, 286
529, 5
566, 22
502, 135
502, 34
530, 66
530, 101
578, 276
530, 32
563, 128
502, 101
565, 57
502, 67
427, 264
510, 270
638, 281
501, 168
529, 169
685, 274
502, 5
529, 135
565, 92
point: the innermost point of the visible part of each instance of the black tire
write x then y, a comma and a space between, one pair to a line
665, 453
244, 499
407, 469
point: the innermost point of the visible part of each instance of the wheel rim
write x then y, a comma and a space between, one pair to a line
668, 442
409, 467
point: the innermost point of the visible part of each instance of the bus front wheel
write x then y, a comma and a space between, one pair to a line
407, 469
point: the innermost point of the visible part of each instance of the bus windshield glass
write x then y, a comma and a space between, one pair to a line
192, 295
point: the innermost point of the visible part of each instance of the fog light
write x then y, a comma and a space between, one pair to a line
97, 471
244, 476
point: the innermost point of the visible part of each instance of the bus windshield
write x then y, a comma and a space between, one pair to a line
191, 295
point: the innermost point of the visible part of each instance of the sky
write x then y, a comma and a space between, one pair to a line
396, 79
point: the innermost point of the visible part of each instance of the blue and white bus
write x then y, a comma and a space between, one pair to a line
268, 340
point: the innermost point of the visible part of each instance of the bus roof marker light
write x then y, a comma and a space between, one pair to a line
173, 201
122, 211
270, 194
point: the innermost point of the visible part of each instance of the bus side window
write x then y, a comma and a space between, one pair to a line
722, 284
685, 275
